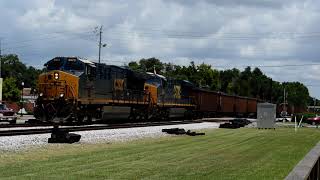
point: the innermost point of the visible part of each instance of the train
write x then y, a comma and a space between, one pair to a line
73, 89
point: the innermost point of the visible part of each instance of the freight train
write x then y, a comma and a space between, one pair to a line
76, 90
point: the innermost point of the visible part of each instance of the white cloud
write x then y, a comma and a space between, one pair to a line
221, 33
49, 17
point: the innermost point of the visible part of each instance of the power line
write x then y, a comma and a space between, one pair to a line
284, 65
232, 36
234, 33
183, 36
49, 34
192, 35
55, 38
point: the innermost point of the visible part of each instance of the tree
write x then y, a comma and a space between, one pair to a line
298, 94
12, 67
10, 90
227, 76
134, 66
148, 65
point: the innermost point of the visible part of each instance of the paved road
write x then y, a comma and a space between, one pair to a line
22, 119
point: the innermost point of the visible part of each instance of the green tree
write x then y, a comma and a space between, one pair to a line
13, 67
134, 66
298, 94
227, 76
10, 90
148, 65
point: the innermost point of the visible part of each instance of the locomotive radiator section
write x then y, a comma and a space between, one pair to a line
58, 92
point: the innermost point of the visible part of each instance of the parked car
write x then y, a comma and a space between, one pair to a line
7, 114
314, 120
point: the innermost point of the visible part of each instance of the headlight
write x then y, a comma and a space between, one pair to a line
1, 115
41, 94
61, 95
56, 75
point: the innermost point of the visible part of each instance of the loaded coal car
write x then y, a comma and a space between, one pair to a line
227, 105
216, 104
237, 106
252, 107
208, 102
241, 106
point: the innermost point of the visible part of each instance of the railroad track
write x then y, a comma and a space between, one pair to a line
22, 125
17, 132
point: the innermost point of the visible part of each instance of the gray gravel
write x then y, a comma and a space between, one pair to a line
40, 127
18, 143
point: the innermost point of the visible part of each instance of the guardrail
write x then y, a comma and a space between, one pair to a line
308, 167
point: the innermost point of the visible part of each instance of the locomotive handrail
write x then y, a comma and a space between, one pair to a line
130, 96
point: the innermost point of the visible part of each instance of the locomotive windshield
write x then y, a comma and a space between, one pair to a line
74, 64
54, 64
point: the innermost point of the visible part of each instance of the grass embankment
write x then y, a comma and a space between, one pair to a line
220, 154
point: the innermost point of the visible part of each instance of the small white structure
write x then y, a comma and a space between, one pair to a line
28, 96
266, 115
22, 111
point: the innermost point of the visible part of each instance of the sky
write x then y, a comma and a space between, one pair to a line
270, 34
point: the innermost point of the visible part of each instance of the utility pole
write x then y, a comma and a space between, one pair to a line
1, 80
100, 34
314, 105
284, 100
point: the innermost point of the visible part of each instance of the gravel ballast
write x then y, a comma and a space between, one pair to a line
17, 143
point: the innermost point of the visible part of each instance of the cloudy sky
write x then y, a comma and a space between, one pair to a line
270, 34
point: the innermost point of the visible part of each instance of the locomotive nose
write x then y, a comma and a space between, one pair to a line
57, 85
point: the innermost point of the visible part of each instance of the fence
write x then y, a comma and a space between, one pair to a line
308, 167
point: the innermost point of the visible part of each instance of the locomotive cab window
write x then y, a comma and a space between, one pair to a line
55, 64
74, 65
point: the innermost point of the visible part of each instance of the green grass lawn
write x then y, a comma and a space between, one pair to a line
220, 154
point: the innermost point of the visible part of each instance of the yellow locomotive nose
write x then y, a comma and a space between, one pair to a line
58, 84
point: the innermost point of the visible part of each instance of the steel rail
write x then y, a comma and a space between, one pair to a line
17, 132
